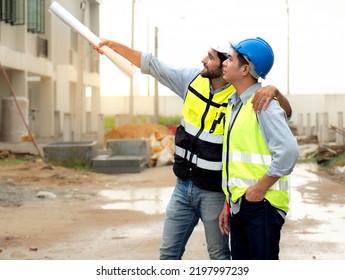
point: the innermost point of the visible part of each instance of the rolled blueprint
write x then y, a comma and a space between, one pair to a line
80, 28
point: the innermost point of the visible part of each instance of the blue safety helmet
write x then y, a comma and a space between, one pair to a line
259, 52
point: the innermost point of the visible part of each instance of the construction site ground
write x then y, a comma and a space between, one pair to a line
53, 212
61, 213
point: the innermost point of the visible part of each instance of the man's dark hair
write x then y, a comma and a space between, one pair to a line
222, 58
241, 60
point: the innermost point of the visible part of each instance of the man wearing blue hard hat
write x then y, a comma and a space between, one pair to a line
258, 159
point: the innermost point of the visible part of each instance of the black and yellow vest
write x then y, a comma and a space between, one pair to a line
199, 138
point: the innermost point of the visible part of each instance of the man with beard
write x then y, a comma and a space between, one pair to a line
197, 165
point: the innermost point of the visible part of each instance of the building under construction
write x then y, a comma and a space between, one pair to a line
47, 70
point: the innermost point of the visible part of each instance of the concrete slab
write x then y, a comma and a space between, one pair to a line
124, 156
129, 147
118, 164
71, 152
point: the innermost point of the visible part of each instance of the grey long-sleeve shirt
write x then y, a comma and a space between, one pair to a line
177, 79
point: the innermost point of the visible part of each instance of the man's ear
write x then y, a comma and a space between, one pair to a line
245, 70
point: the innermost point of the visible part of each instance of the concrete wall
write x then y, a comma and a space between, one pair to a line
313, 104
172, 105
311, 113
315, 114
143, 105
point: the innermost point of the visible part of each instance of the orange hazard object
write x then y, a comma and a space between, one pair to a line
228, 207
27, 137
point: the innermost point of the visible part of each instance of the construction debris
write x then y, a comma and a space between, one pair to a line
340, 169
338, 130
28, 137
162, 149
327, 153
136, 131
5, 154
161, 137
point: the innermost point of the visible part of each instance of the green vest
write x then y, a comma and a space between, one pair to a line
199, 138
246, 159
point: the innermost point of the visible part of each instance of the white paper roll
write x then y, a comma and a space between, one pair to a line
80, 28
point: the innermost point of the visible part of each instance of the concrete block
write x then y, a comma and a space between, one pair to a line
130, 147
71, 152
124, 156
118, 164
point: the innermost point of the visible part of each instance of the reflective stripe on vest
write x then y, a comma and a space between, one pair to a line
245, 183
204, 135
250, 158
202, 163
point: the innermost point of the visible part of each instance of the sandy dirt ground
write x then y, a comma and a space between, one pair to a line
63, 214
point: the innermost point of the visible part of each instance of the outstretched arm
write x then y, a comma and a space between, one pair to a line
128, 53
263, 96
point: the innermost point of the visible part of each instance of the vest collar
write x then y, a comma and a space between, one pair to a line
234, 99
218, 89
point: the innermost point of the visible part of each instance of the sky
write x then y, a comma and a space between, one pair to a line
307, 39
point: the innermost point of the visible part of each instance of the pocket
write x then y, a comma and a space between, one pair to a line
252, 202
218, 121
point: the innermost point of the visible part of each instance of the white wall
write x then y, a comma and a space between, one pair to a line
143, 105
172, 106
331, 104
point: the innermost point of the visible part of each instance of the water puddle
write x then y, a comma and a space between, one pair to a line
147, 200
323, 219
310, 205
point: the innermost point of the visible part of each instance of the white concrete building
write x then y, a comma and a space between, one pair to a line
49, 68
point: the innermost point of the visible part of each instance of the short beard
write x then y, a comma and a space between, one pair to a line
213, 74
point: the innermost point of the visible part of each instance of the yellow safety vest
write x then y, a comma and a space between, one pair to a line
246, 159
199, 138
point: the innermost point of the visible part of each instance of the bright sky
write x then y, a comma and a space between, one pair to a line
188, 27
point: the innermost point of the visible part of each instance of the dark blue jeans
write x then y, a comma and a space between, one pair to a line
255, 231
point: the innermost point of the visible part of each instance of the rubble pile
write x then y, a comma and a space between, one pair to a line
162, 140
329, 153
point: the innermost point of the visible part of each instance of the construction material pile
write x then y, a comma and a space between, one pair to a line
327, 154
162, 140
